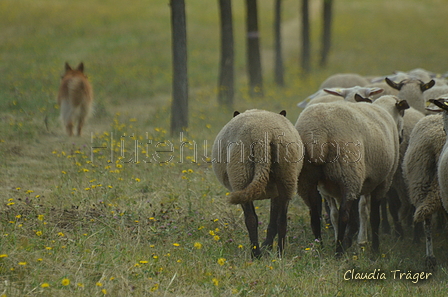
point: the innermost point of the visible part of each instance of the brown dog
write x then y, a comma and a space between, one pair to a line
75, 98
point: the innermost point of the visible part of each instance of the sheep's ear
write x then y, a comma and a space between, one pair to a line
439, 103
80, 67
402, 105
283, 113
359, 98
67, 67
235, 113
374, 91
428, 85
336, 92
393, 84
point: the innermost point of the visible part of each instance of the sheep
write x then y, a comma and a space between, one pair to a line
338, 94
420, 173
387, 90
417, 73
344, 80
436, 92
442, 167
274, 154
412, 90
344, 143
400, 205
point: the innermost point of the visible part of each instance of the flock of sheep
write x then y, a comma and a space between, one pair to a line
360, 143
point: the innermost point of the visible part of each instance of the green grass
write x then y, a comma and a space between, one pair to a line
150, 228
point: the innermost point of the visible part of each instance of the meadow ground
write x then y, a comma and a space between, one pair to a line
118, 211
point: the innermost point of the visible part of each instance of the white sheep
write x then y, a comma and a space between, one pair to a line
399, 202
420, 172
338, 94
436, 92
258, 155
442, 168
344, 80
344, 142
412, 90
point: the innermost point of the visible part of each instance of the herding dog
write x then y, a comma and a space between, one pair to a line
75, 98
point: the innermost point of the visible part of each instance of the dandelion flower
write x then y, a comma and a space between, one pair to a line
221, 261
22, 263
39, 233
176, 244
65, 282
215, 281
198, 245
104, 291
98, 284
355, 257
216, 237
155, 287
40, 217
45, 285
3, 256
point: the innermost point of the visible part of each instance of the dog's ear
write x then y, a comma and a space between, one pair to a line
80, 67
283, 113
235, 113
67, 67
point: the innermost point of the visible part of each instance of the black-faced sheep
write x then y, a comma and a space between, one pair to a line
420, 173
258, 155
344, 142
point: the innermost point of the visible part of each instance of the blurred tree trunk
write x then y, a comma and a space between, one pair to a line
326, 34
179, 104
306, 47
226, 72
279, 70
253, 49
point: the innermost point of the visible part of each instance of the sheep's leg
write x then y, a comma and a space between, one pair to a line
430, 258
385, 226
282, 222
344, 216
315, 204
251, 221
364, 213
272, 227
334, 215
394, 209
375, 222
353, 224
418, 228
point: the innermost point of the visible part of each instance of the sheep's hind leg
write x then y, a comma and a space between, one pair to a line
251, 221
375, 222
272, 227
431, 261
344, 216
315, 201
282, 222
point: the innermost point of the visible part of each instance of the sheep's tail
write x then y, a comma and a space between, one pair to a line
431, 205
257, 187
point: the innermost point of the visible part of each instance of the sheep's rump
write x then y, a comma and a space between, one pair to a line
255, 150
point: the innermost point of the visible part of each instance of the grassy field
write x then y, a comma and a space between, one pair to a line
83, 221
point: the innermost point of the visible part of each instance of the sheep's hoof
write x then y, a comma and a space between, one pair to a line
431, 263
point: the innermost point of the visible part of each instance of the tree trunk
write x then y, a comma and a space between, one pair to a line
226, 72
326, 34
305, 59
179, 104
253, 49
279, 79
